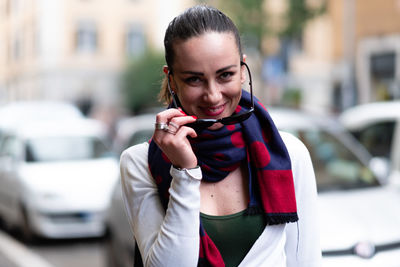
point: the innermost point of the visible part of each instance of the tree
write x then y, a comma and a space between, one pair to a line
297, 15
141, 82
248, 16
253, 22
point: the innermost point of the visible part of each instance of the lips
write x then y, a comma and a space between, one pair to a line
213, 111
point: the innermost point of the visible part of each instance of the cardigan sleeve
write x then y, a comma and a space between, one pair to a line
168, 238
302, 238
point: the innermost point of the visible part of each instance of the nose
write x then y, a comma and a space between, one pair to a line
212, 94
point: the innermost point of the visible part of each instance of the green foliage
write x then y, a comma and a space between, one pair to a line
292, 97
141, 82
252, 20
248, 17
298, 14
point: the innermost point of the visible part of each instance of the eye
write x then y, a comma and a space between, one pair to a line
226, 75
192, 80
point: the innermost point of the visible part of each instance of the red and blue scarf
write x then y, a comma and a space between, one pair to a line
219, 152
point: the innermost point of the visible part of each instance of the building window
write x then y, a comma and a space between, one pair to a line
383, 65
382, 69
7, 8
17, 48
15, 6
86, 37
135, 41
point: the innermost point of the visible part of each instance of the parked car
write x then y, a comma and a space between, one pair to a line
28, 111
120, 243
357, 228
25, 111
56, 177
377, 127
133, 130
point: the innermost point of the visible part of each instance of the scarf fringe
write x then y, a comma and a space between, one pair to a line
253, 210
281, 218
272, 219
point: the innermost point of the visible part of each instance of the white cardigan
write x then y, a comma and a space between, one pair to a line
171, 238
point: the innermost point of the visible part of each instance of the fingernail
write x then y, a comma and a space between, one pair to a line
194, 117
182, 112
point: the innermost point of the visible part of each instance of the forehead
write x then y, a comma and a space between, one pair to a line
209, 47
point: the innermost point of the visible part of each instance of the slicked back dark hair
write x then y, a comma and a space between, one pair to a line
194, 22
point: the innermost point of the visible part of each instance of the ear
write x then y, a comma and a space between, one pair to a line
243, 70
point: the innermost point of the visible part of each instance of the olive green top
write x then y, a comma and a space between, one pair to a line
233, 234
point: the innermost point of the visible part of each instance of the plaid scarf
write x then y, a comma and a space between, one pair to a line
221, 151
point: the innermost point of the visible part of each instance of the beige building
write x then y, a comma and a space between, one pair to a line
350, 55
76, 49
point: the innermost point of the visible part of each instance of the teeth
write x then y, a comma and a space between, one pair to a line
215, 109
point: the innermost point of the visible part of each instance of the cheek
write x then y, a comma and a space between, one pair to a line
235, 91
188, 97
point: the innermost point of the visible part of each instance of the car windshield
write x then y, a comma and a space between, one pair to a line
377, 138
336, 167
64, 148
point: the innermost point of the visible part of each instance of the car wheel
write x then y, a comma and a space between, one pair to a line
26, 229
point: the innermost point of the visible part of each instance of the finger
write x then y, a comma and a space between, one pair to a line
180, 121
171, 124
167, 115
185, 131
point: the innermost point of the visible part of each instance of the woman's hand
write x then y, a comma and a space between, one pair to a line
174, 142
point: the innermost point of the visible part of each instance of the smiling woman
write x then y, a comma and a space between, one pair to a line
240, 115
235, 177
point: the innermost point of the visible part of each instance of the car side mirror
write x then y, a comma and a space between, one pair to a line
381, 167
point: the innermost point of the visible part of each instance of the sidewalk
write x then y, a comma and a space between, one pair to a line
5, 262
15, 254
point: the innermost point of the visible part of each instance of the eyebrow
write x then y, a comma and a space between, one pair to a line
202, 74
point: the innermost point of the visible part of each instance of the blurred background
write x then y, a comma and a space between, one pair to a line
103, 59
318, 54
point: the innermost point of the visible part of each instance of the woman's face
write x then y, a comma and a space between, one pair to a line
207, 75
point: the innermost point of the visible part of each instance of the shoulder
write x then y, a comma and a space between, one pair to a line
299, 156
134, 159
295, 147
135, 153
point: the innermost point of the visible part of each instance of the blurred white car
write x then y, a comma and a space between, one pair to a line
120, 243
359, 217
357, 226
133, 130
377, 127
56, 177
28, 111
25, 111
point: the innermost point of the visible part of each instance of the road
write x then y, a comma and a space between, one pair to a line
77, 253
58, 253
